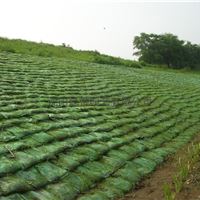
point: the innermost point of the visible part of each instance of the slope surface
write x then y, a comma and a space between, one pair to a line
77, 130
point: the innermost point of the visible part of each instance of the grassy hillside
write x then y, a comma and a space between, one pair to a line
49, 50
77, 130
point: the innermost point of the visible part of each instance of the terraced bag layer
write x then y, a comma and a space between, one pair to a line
78, 130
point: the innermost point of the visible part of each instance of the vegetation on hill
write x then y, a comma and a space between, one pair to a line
152, 50
50, 50
167, 49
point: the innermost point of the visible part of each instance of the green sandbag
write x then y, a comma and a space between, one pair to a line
153, 156
94, 170
42, 137
115, 142
12, 184
121, 155
155, 142
129, 172
99, 147
25, 159
96, 196
50, 171
138, 146
62, 191
72, 160
113, 162
80, 182
146, 165
162, 152
15, 197
7, 136
30, 142
128, 149
115, 187
39, 195
8, 165
4, 148
4, 115
32, 177
61, 133
101, 136
40, 117
91, 153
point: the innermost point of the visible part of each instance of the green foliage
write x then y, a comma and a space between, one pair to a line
167, 49
62, 51
116, 61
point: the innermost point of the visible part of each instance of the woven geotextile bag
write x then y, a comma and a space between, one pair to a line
39, 194
97, 195
115, 187
80, 182
145, 165
156, 157
14, 197
71, 160
95, 170
129, 172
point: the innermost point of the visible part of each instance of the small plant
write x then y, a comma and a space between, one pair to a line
178, 184
168, 193
184, 167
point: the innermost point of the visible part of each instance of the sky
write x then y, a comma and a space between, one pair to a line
107, 26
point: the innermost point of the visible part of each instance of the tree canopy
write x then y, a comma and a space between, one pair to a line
166, 49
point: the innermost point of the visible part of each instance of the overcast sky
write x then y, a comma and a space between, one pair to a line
107, 26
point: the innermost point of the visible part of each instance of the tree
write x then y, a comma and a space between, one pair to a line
159, 49
166, 49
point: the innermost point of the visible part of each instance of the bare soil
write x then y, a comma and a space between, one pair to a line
151, 188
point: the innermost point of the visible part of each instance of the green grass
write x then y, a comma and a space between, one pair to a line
50, 50
73, 129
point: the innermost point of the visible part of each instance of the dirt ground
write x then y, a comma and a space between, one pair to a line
191, 188
151, 188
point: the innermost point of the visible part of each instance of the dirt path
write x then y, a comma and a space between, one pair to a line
151, 188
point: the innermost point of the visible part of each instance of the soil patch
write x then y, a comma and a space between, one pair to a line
151, 188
